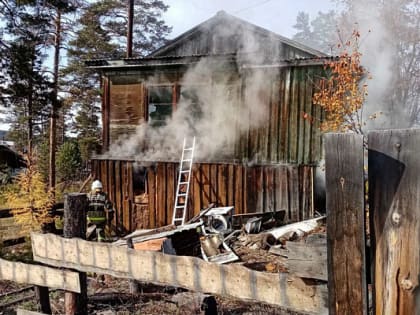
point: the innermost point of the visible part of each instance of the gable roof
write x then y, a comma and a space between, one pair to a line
225, 34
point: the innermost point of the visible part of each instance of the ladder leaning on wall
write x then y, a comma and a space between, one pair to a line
183, 186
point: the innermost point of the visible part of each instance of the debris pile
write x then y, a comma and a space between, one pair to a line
260, 241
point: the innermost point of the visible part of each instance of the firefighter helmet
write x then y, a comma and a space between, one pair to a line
96, 185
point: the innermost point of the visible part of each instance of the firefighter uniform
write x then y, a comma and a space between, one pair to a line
99, 205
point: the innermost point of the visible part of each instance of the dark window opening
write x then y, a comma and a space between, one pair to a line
160, 105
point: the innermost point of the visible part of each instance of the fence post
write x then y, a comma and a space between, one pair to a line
345, 224
75, 206
394, 194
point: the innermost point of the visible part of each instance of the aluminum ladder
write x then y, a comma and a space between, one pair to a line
183, 186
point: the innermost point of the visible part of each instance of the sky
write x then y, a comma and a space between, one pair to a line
278, 16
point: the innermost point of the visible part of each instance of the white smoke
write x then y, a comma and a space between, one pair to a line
379, 49
217, 118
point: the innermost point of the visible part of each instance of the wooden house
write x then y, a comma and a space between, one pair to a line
264, 151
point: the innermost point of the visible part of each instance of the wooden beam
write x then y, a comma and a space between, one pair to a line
307, 260
39, 275
188, 272
75, 207
394, 190
345, 224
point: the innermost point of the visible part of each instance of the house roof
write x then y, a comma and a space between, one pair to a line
217, 25
211, 39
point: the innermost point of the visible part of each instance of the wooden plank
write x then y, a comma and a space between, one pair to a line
283, 113
213, 184
39, 275
308, 124
302, 141
117, 202
264, 128
105, 113
250, 196
293, 133
269, 192
284, 191
259, 189
171, 181
205, 184
222, 191
274, 121
240, 190
111, 190
182, 271
230, 186
151, 188
316, 144
394, 190
306, 192
307, 260
127, 195
124, 103
197, 188
161, 194
104, 174
345, 224
293, 191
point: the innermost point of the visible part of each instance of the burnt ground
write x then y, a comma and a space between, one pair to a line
110, 296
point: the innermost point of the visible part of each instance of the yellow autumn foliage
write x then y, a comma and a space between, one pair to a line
29, 199
342, 94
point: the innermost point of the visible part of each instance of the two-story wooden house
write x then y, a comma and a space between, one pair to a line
244, 92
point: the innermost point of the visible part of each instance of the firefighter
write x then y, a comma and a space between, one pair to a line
99, 207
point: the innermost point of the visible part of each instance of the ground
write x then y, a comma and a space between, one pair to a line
112, 298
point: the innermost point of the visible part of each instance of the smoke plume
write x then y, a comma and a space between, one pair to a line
215, 114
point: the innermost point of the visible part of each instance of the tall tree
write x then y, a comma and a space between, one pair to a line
25, 87
58, 8
102, 34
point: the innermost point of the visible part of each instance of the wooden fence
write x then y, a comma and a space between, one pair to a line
182, 271
394, 221
39, 275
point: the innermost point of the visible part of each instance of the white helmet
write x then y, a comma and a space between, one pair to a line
96, 185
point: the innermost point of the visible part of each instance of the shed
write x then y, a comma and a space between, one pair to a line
243, 92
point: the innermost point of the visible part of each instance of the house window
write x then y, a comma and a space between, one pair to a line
160, 104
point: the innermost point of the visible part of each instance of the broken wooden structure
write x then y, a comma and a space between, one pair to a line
271, 164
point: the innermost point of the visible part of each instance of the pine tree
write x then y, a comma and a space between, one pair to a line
321, 33
69, 161
25, 85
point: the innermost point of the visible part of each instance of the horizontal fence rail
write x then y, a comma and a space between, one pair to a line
187, 272
39, 275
